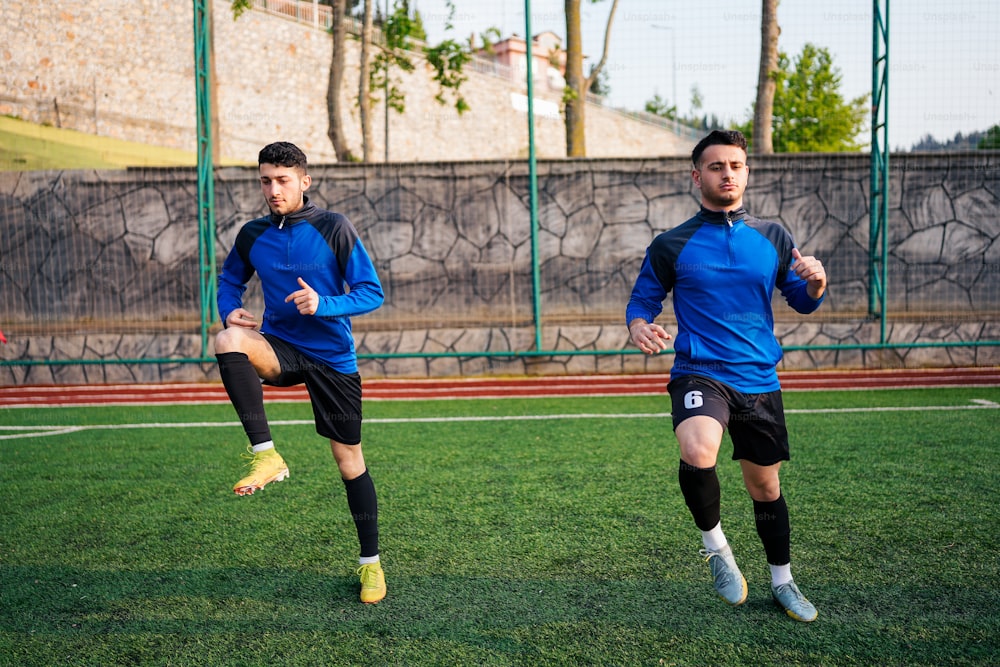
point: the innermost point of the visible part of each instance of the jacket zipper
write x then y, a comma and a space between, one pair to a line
288, 241
729, 240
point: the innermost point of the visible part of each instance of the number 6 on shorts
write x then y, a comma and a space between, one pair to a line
693, 399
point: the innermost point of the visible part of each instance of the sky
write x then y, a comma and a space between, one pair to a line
944, 58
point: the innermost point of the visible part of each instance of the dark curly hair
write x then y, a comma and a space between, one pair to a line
282, 154
718, 138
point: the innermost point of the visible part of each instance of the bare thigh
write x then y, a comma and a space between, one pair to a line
700, 438
252, 344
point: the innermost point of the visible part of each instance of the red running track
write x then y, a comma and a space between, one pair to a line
577, 385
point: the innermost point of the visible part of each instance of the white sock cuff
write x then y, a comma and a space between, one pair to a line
714, 539
368, 560
263, 446
780, 574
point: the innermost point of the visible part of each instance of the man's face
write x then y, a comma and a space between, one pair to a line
722, 177
283, 188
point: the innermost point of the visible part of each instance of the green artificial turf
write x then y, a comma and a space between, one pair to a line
513, 532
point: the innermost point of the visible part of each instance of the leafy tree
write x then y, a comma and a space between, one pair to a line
658, 107
991, 140
810, 114
697, 99
417, 31
703, 122
960, 142
397, 30
574, 96
489, 38
448, 60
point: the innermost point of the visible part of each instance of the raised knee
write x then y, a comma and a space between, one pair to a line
228, 340
700, 454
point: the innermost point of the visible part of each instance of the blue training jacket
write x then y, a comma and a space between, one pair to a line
323, 249
722, 269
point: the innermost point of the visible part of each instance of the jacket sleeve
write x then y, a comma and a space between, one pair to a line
648, 294
232, 283
364, 288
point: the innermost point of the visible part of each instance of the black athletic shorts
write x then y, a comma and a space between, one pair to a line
756, 422
336, 397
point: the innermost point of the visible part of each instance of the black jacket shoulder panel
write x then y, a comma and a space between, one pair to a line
666, 248
247, 236
339, 234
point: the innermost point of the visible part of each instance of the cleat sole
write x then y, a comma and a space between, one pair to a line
248, 490
746, 591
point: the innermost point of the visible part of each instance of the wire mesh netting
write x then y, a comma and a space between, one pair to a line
114, 251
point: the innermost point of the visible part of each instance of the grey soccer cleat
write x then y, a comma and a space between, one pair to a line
729, 582
790, 598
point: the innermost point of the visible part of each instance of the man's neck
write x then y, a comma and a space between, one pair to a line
722, 209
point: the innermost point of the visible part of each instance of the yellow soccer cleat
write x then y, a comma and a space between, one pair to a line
372, 582
265, 467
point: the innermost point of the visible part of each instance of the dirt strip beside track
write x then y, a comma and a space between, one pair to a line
401, 389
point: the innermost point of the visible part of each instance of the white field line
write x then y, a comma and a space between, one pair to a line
42, 431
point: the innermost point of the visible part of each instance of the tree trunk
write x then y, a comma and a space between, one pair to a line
577, 85
763, 110
336, 131
576, 94
596, 70
213, 88
364, 86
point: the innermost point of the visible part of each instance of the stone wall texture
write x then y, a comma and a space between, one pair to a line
125, 69
104, 266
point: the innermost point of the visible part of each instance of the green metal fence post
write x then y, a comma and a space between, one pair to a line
206, 176
536, 292
879, 209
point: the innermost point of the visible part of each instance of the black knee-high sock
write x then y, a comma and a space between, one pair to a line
243, 386
363, 503
774, 530
702, 494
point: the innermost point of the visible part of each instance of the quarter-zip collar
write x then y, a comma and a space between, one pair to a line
308, 210
725, 219
722, 217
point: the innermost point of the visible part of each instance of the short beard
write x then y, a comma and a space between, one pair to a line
721, 202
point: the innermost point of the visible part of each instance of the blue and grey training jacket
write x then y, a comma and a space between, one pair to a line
722, 269
323, 249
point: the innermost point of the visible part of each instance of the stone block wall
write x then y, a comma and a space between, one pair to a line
103, 266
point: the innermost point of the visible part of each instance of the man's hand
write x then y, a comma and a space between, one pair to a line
650, 338
241, 318
811, 270
306, 299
